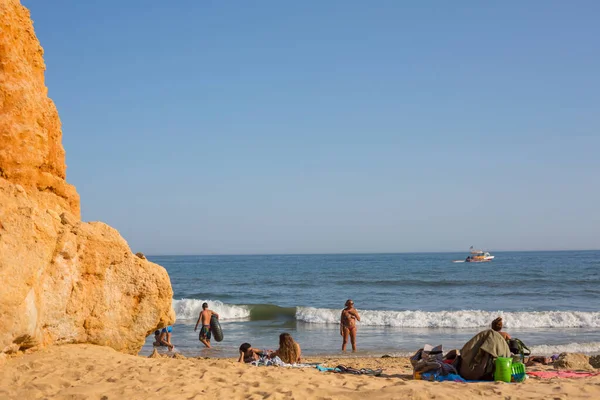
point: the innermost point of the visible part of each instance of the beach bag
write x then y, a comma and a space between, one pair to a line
516, 346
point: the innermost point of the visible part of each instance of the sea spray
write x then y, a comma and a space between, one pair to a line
549, 349
190, 308
457, 319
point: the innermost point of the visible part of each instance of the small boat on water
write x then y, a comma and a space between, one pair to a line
477, 256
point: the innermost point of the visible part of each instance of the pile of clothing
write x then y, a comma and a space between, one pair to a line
430, 363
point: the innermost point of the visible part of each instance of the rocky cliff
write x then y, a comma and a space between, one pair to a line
61, 280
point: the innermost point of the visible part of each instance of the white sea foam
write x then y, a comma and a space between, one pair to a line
457, 319
546, 350
190, 309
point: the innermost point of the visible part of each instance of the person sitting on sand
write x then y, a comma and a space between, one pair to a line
165, 337
497, 326
289, 351
205, 316
348, 325
249, 354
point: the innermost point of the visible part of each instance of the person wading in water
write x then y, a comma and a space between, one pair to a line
348, 325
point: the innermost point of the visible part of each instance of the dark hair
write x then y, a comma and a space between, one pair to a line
204, 305
497, 324
156, 332
244, 347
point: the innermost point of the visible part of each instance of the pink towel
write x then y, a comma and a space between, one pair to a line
562, 374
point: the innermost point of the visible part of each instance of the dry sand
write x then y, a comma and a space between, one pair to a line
94, 372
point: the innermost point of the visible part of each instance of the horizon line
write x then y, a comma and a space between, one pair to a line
356, 253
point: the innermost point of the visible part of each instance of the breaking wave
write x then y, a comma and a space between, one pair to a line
190, 308
457, 319
547, 350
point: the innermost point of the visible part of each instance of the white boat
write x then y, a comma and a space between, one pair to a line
477, 256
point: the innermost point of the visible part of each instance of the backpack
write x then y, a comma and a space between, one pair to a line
516, 346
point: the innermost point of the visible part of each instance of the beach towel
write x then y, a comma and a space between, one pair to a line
342, 369
432, 376
326, 369
562, 374
264, 361
363, 371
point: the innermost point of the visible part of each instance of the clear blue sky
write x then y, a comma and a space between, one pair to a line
212, 126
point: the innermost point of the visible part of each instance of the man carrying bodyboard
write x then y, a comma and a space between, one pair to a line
205, 331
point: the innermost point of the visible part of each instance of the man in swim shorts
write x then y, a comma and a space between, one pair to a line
205, 316
348, 325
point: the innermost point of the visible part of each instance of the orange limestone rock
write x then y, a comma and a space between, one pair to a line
31, 153
62, 280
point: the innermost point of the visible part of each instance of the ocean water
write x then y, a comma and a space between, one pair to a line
550, 300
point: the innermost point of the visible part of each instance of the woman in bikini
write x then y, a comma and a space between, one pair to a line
348, 325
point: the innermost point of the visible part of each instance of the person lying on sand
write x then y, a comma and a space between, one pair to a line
289, 351
249, 354
205, 316
497, 326
348, 325
165, 337
539, 360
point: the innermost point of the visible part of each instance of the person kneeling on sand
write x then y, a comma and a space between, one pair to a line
289, 351
157, 342
205, 316
165, 337
497, 326
249, 354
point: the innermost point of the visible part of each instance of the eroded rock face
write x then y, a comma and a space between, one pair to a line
31, 151
61, 280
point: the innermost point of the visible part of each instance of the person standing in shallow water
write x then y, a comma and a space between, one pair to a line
348, 325
205, 316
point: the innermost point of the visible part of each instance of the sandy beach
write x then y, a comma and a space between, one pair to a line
275, 160
95, 372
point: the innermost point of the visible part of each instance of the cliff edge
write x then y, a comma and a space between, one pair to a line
63, 280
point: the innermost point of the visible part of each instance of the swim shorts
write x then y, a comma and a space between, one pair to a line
167, 329
205, 332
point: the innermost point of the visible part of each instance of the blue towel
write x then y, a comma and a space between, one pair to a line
326, 369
